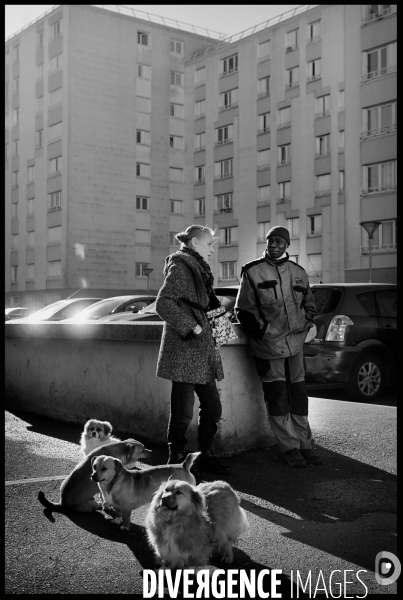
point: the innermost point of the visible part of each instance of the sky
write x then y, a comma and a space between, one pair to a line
224, 18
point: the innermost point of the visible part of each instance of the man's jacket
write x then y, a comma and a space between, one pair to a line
275, 306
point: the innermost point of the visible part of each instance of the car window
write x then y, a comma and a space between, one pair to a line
228, 302
150, 308
368, 303
326, 299
136, 306
100, 309
387, 303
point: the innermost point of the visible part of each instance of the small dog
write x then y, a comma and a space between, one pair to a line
125, 490
187, 524
78, 490
96, 433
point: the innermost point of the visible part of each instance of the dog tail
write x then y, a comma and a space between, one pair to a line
189, 460
47, 504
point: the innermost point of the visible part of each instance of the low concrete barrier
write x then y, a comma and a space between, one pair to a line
74, 372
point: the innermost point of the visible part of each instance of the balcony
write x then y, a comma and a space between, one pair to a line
379, 189
229, 72
264, 130
313, 39
385, 12
283, 200
313, 78
380, 131
322, 154
379, 248
232, 105
263, 94
222, 142
320, 193
290, 86
291, 48
218, 211
283, 162
199, 181
222, 176
283, 125
322, 113
263, 167
379, 73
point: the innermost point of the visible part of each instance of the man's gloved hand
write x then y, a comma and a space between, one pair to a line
311, 333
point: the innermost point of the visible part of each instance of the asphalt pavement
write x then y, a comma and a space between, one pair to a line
322, 526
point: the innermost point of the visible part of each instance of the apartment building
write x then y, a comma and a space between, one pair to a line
121, 131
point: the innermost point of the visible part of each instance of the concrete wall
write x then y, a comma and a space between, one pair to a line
73, 373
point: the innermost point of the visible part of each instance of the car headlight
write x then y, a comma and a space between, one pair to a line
337, 328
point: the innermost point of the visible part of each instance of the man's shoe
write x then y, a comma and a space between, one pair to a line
311, 456
295, 458
208, 462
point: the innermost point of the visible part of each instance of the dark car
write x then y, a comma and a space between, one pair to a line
111, 306
57, 311
356, 339
17, 312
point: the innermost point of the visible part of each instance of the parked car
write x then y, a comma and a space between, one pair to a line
356, 340
111, 306
57, 311
227, 297
17, 312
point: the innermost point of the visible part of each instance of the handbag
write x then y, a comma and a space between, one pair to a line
221, 326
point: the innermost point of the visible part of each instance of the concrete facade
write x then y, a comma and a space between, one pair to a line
269, 89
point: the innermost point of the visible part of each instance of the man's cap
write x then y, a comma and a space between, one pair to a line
280, 231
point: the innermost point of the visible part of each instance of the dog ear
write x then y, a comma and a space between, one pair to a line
107, 427
118, 466
198, 500
92, 461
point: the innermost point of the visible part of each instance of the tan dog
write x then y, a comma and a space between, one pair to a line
77, 490
96, 433
186, 524
125, 490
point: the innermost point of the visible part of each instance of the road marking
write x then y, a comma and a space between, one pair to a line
34, 479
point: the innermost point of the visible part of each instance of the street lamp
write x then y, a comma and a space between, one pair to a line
147, 272
370, 227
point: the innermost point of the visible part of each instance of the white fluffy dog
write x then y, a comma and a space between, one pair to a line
96, 433
186, 524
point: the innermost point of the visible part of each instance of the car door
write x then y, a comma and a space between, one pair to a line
386, 305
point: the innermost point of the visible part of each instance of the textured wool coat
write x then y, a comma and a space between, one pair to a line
183, 356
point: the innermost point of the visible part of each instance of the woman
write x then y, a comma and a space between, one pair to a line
188, 355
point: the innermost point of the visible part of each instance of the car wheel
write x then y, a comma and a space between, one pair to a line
367, 379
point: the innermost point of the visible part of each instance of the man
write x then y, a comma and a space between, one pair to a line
275, 307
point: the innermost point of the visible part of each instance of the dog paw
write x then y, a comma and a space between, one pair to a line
117, 520
124, 528
227, 559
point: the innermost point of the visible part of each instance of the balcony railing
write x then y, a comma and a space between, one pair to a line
282, 125
313, 39
320, 193
264, 130
322, 154
322, 113
379, 73
222, 142
229, 72
379, 188
284, 199
379, 131
313, 78
379, 248
289, 86
284, 161
217, 211
223, 176
291, 48
385, 12
232, 105
263, 94
263, 167
198, 181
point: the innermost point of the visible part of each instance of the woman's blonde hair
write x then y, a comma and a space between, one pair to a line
192, 231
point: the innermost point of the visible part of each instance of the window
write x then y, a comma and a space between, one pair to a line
176, 110
200, 141
380, 177
16, 116
264, 123
283, 117
228, 236
142, 236
16, 54
200, 108
341, 181
142, 203
176, 207
56, 28
322, 106
229, 65
14, 179
223, 203
54, 269
175, 174
55, 165
39, 138
323, 185
177, 78
228, 269
200, 76
262, 229
313, 70
292, 77
14, 210
56, 96
30, 274
172, 239
341, 100
143, 170
16, 85
199, 174
14, 273
293, 227
314, 31
229, 99
30, 206
140, 269
378, 120
263, 87
291, 41
143, 105
314, 265
200, 207
176, 46
31, 174
380, 61
39, 71
56, 62
55, 200
176, 142
54, 235
142, 38
323, 145
284, 154
16, 147
31, 239
263, 50
55, 131
39, 39
284, 191
314, 224
293, 258
223, 135
223, 169
263, 159
263, 194
143, 137
143, 71
384, 238
341, 141
14, 242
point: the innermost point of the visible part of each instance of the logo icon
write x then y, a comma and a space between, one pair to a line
387, 568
